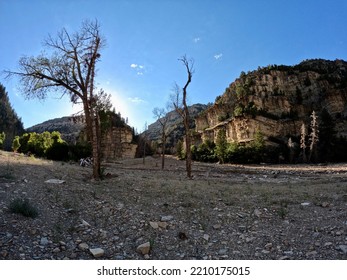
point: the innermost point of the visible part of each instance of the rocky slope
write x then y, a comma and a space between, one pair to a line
66, 126
277, 99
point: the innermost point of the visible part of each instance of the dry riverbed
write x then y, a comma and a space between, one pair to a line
141, 212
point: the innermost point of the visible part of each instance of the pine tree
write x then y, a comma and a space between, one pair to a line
221, 145
10, 123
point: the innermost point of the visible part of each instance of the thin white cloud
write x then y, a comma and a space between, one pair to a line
136, 100
218, 56
197, 39
138, 68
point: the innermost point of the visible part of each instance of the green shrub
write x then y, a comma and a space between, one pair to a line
2, 139
16, 144
205, 152
23, 207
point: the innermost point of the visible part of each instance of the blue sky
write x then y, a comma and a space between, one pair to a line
145, 38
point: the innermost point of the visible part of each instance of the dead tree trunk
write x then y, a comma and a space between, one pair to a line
183, 110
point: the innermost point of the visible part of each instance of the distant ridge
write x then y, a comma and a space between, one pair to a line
68, 129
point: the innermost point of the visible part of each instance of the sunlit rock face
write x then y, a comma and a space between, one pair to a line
276, 100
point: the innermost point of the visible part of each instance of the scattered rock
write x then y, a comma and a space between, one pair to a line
56, 250
166, 218
325, 204
55, 181
97, 252
4, 253
83, 246
257, 213
144, 248
342, 248
305, 204
86, 224
154, 225
222, 251
163, 225
103, 234
311, 253
44, 241
206, 237
217, 226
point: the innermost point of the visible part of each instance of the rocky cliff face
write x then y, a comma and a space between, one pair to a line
276, 100
117, 142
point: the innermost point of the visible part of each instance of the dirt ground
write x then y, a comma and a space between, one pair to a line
142, 212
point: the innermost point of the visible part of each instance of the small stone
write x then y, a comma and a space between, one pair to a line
44, 241
325, 204
83, 246
265, 251
4, 253
342, 248
268, 246
288, 252
328, 244
154, 225
217, 226
166, 218
312, 253
163, 225
97, 252
56, 250
103, 234
206, 237
55, 181
305, 204
144, 248
257, 213
249, 239
86, 224
222, 251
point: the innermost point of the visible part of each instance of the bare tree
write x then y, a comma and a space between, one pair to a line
181, 107
291, 147
303, 142
162, 117
314, 138
70, 69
